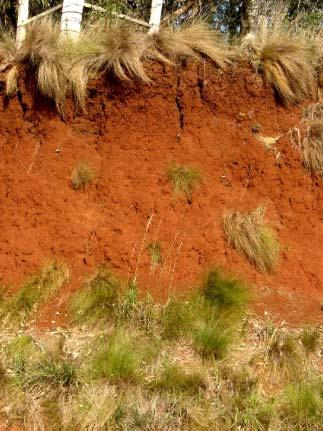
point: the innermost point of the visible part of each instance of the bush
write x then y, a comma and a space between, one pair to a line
249, 235
177, 318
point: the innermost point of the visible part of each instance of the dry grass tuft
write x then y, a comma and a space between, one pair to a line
12, 81
249, 235
42, 56
312, 147
81, 176
190, 41
282, 52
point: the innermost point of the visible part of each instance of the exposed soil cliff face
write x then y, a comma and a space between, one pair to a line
129, 135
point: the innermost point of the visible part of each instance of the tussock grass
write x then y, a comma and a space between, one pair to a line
312, 147
35, 291
249, 235
303, 406
52, 372
213, 339
42, 56
224, 292
116, 359
177, 318
191, 41
174, 379
184, 179
82, 176
98, 300
310, 339
283, 356
281, 51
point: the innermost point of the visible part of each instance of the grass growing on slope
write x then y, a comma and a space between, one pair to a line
249, 235
174, 379
35, 291
42, 56
184, 179
194, 41
302, 406
310, 339
312, 147
225, 292
155, 253
213, 339
99, 299
81, 176
116, 359
281, 51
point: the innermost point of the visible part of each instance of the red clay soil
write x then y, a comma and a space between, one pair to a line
129, 135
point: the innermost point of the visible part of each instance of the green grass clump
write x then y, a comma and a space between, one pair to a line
212, 339
97, 302
310, 339
184, 179
81, 176
52, 372
174, 379
250, 236
35, 291
302, 407
177, 318
20, 348
116, 359
224, 292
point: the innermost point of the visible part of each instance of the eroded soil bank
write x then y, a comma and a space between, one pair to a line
129, 135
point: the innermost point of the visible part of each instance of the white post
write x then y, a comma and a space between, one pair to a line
155, 15
72, 16
23, 13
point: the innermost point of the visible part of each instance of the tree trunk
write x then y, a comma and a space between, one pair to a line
23, 13
155, 15
72, 17
249, 15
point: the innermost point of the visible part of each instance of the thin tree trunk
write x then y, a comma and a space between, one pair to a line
249, 15
23, 13
155, 15
72, 16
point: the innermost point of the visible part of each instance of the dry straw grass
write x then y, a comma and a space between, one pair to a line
312, 147
42, 57
249, 235
285, 55
191, 41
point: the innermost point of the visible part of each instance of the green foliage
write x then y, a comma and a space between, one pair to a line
35, 291
310, 339
98, 301
116, 359
177, 318
53, 372
20, 348
174, 379
212, 339
224, 292
303, 406
184, 179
